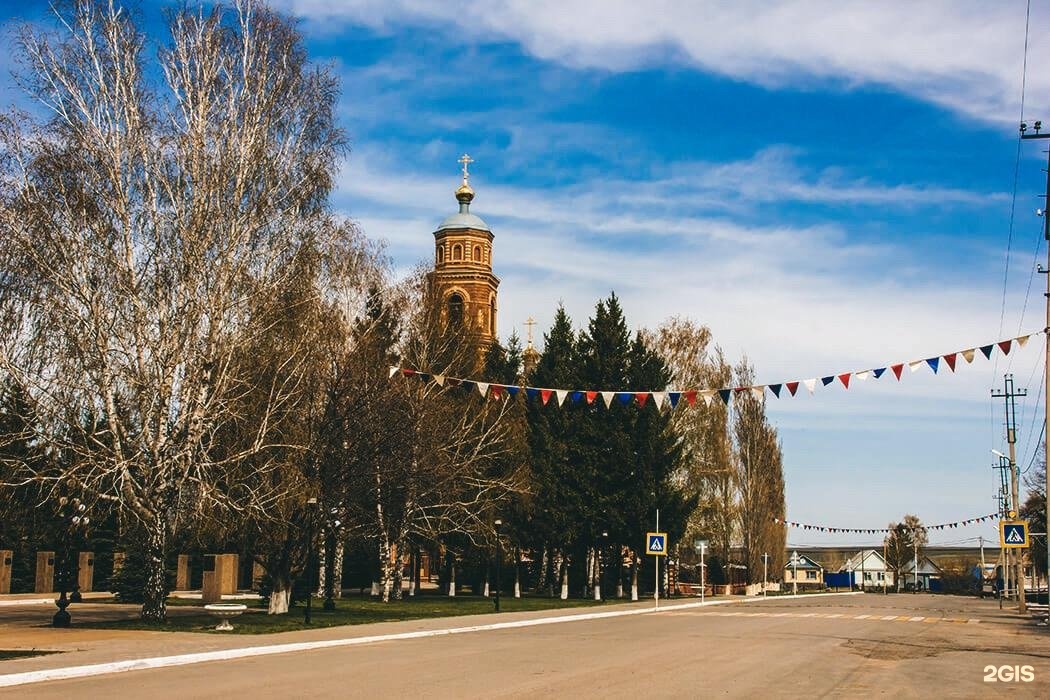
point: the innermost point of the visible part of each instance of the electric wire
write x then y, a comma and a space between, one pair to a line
1013, 206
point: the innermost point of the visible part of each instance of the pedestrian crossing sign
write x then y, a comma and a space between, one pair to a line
656, 543
1013, 534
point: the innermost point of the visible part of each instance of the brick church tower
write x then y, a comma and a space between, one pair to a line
463, 266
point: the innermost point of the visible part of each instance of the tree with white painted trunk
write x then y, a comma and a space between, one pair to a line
144, 216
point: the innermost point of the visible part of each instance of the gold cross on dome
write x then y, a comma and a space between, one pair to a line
530, 322
465, 160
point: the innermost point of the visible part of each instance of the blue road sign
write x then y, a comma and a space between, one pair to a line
1013, 533
656, 543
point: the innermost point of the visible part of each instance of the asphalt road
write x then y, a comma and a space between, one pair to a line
906, 646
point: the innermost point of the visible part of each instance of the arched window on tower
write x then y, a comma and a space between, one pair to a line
457, 252
440, 254
455, 309
477, 254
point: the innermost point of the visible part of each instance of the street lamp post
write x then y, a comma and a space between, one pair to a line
73, 520
311, 504
765, 573
701, 547
499, 562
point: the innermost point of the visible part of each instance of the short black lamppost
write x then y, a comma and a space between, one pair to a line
71, 516
311, 505
499, 562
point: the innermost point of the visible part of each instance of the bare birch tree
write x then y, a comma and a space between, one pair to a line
759, 478
141, 218
695, 362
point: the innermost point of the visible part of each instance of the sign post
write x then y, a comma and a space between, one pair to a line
656, 545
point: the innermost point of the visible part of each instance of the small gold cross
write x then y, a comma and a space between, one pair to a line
530, 322
465, 160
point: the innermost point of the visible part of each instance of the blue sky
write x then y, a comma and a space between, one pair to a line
828, 187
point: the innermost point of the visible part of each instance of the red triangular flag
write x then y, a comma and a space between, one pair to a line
1005, 346
495, 391
690, 397
545, 395
642, 397
844, 378
591, 396
950, 359
792, 387
897, 371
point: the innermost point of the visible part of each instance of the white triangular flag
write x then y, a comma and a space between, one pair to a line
967, 355
862, 376
707, 395
561, 394
393, 371
658, 398
483, 388
607, 397
1022, 340
759, 392
916, 365
811, 384
440, 379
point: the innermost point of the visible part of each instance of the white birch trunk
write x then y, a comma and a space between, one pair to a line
452, 580
280, 597
517, 572
337, 572
321, 568
565, 579
634, 578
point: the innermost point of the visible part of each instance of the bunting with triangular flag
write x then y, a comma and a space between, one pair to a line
673, 398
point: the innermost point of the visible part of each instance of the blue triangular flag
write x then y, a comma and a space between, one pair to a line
827, 380
673, 397
625, 397
775, 388
512, 390
724, 394
576, 396
933, 362
468, 385
878, 372
987, 350
532, 393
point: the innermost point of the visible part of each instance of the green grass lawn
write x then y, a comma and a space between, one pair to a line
349, 611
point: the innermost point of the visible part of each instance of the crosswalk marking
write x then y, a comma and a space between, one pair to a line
830, 616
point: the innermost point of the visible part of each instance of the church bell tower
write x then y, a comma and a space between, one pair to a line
463, 266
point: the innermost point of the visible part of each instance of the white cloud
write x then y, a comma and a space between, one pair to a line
964, 56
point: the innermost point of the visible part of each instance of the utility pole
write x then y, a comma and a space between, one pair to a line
1004, 513
1008, 395
765, 573
1046, 331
